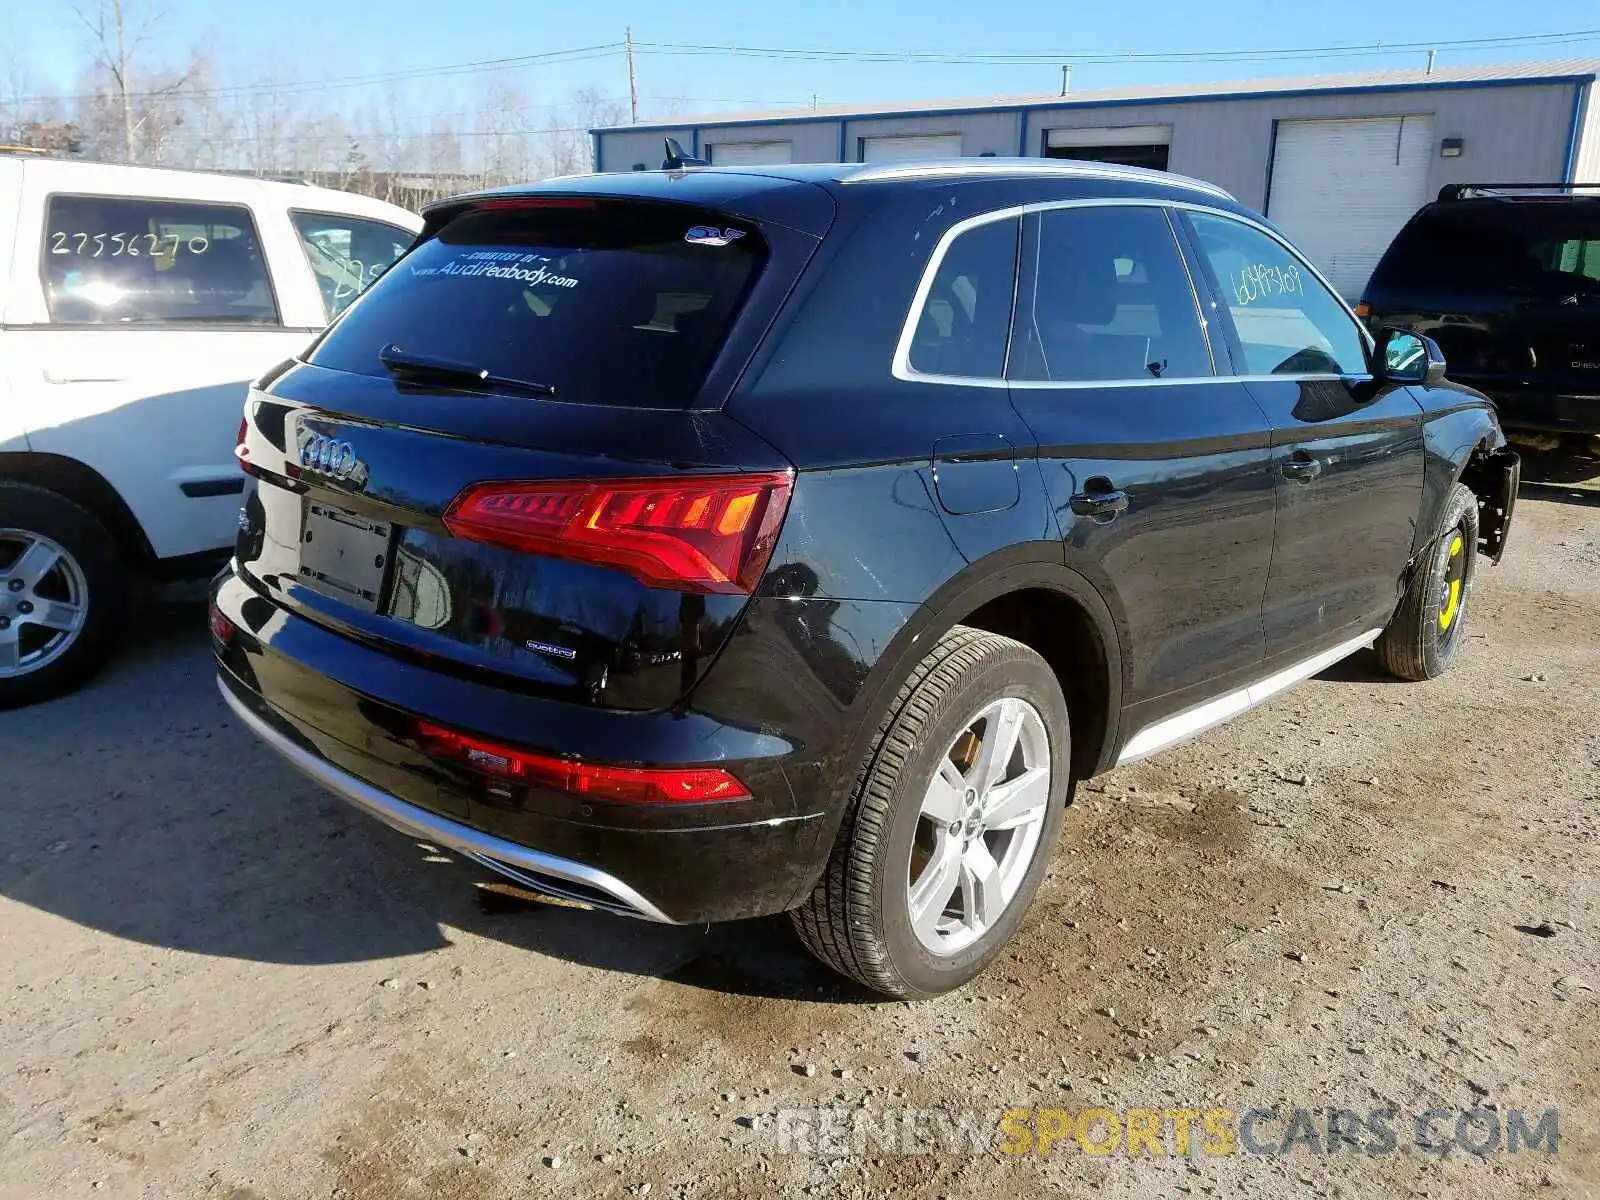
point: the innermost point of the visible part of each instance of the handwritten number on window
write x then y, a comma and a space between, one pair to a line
120, 245
1260, 281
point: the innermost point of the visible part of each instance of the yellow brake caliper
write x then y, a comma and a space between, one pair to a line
1447, 614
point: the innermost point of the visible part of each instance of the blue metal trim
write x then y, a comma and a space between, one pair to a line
844, 126
1022, 131
694, 142
1272, 158
1130, 102
594, 137
1581, 99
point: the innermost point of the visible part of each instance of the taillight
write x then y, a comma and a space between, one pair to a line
221, 627
695, 533
631, 785
241, 448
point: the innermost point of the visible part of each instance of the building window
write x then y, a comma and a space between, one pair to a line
1128, 145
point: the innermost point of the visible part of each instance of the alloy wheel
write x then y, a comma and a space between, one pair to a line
979, 826
44, 601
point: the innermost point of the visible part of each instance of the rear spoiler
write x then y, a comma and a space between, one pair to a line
1467, 191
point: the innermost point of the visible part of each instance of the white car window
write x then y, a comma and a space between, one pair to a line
347, 253
111, 260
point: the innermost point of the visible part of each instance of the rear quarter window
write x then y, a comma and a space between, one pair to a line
1495, 246
346, 254
605, 302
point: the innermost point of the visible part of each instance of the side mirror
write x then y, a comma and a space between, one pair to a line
1401, 356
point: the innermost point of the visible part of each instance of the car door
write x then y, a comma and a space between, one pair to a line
1348, 454
1159, 468
135, 324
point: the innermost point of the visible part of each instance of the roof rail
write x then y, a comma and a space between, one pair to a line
1466, 191
968, 168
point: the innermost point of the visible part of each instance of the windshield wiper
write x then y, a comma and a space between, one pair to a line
443, 370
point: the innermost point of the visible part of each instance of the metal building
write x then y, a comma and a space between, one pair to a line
1338, 161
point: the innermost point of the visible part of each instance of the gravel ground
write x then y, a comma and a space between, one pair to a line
219, 982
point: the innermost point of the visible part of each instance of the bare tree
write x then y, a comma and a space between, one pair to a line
566, 148
504, 150
118, 36
147, 99
210, 123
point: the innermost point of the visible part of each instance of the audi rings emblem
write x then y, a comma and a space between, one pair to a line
327, 456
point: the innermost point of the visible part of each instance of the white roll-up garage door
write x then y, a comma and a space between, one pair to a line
750, 154
1342, 189
913, 147
1117, 135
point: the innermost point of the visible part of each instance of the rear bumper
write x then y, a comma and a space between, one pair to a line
341, 713
1529, 407
544, 872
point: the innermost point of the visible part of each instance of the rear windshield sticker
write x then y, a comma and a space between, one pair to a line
499, 264
710, 235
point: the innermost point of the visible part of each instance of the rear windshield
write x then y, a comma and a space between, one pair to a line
1528, 246
602, 302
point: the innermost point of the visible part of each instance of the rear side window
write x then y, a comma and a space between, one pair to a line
1286, 321
1110, 301
347, 253
109, 261
603, 302
1530, 246
966, 319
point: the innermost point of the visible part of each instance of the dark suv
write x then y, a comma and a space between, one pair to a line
1506, 278
702, 544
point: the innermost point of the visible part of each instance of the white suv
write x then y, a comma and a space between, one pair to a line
136, 306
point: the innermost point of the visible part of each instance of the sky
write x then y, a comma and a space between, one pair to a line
42, 42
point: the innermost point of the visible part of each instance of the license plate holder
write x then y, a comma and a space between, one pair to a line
344, 555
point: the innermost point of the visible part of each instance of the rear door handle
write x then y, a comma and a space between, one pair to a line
1301, 467
1100, 505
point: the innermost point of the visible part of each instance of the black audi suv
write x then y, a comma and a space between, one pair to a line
701, 544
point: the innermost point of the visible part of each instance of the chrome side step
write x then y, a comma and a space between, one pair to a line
1170, 731
532, 868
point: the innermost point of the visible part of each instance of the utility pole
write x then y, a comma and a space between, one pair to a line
1432, 54
633, 80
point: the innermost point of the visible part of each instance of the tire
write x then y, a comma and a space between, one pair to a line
892, 859
56, 630
1427, 628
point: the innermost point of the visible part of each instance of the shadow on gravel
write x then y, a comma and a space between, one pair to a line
137, 806
1568, 474
1360, 667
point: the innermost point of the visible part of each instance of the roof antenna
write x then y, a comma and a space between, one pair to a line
677, 158
1066, 78
1432, 54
